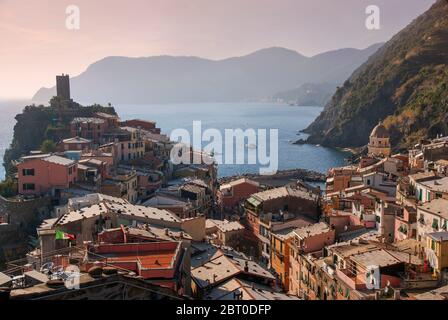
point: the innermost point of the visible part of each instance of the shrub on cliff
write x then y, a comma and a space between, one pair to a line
48, 146
8, 188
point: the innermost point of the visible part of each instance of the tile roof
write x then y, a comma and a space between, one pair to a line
88, 120
76, 140
224, 225
225, 267
247, 290
193, 188
97, 204
59, 160
237, 182
282, 192
422, 176
106, 115
312, 230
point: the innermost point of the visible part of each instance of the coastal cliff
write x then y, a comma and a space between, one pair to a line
39, 123
404, 84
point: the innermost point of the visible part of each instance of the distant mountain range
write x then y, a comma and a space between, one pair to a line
405, 84
167, 79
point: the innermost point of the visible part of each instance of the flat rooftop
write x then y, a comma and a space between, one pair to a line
437, 207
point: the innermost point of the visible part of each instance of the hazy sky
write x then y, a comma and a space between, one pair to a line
36, 45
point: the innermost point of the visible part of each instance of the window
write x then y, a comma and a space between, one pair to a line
28, 172
421, 219
433, 245
435, 224
28, 186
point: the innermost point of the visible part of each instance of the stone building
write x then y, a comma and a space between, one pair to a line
63, 87
379, 144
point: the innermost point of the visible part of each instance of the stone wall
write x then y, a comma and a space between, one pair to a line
22, 217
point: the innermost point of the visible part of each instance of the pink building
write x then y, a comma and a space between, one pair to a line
313, 238
406, 224
42, 174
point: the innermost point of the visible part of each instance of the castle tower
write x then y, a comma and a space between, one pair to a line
63, 87
379, 144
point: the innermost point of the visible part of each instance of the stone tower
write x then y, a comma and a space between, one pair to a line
379, 144
63, 87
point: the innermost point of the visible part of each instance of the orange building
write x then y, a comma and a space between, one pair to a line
280, 256
339, 179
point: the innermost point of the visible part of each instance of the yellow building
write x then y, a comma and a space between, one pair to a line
379, 144
437, 251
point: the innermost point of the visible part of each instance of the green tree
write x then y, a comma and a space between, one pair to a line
48, 146
8, 188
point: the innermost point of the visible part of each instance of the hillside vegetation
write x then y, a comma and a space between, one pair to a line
405, 84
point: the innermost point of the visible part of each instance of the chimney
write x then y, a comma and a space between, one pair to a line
246, 266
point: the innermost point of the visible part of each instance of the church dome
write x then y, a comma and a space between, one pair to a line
379, 131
